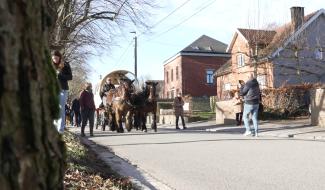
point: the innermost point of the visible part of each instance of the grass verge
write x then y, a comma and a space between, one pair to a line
86, 171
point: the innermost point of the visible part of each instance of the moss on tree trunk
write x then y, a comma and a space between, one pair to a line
31, 151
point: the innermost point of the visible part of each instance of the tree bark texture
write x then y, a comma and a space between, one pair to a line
31, 151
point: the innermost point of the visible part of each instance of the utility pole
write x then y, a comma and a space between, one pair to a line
135, 53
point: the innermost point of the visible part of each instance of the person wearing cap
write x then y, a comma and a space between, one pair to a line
64, 74
178, 109
87, 106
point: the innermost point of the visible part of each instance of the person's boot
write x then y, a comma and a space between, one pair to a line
82, 131
184, 127
91, 132
177, 128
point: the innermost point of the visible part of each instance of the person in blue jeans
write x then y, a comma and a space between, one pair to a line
64, 74
251, 92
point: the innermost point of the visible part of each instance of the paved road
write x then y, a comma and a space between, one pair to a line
199, 159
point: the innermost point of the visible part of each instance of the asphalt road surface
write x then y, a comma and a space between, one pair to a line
199, 160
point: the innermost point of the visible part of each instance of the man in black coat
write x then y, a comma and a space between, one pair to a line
76, 109
251, 92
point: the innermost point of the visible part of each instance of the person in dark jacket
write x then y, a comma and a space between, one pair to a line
64, 74
88, 108
76, 110
107, 87
251, 92
178, 110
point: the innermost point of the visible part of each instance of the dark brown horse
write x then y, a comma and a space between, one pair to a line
148, 104
118, 105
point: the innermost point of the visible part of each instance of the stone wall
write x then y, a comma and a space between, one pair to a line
225, 112
318, 107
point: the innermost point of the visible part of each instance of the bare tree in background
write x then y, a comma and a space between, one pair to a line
89, 23
84, 26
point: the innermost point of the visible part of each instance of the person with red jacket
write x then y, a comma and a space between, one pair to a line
87, 107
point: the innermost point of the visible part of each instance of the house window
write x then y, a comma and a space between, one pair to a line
167, 77
172, 93
240, 60
261, 79
171, 75
227, 86
319, 54
177, 73
209, 76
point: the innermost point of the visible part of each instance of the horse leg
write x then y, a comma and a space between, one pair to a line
128, 121
144, 121
111, 120
154, 123
136, 121
118, 118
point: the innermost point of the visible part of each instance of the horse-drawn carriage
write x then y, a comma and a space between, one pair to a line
128, 102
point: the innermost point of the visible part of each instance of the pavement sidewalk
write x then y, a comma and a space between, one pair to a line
298, 128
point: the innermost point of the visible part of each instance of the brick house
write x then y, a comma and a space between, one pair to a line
190, 72
291, 54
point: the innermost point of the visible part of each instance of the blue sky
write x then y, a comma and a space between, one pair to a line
215, 18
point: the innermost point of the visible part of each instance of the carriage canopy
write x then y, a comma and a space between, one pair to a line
115, 76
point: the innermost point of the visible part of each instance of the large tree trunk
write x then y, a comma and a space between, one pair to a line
31, 151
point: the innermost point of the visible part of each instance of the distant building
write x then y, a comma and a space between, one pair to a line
190, 72
291, 54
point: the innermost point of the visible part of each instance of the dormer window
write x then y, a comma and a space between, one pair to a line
240, 60
208, 48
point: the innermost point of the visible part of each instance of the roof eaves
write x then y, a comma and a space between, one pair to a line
232, 42
241, 34
171, 58
302, 28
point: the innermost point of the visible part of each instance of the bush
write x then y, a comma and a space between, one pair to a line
284, 102
165, 106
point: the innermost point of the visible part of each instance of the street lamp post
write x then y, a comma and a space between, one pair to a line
135, 53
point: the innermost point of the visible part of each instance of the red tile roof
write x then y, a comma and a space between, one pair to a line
257, 36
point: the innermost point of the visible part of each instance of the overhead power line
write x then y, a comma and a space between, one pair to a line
122, 56
169, 14
186, 19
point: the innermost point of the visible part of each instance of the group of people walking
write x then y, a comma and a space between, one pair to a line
246, 101
72, 112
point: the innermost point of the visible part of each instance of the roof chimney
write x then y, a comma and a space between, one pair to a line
297, 17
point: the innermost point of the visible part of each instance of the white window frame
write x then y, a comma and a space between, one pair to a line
261, 79
209, 76
240, 60
172, 93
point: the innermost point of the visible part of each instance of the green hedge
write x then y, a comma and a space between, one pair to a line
165, 105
